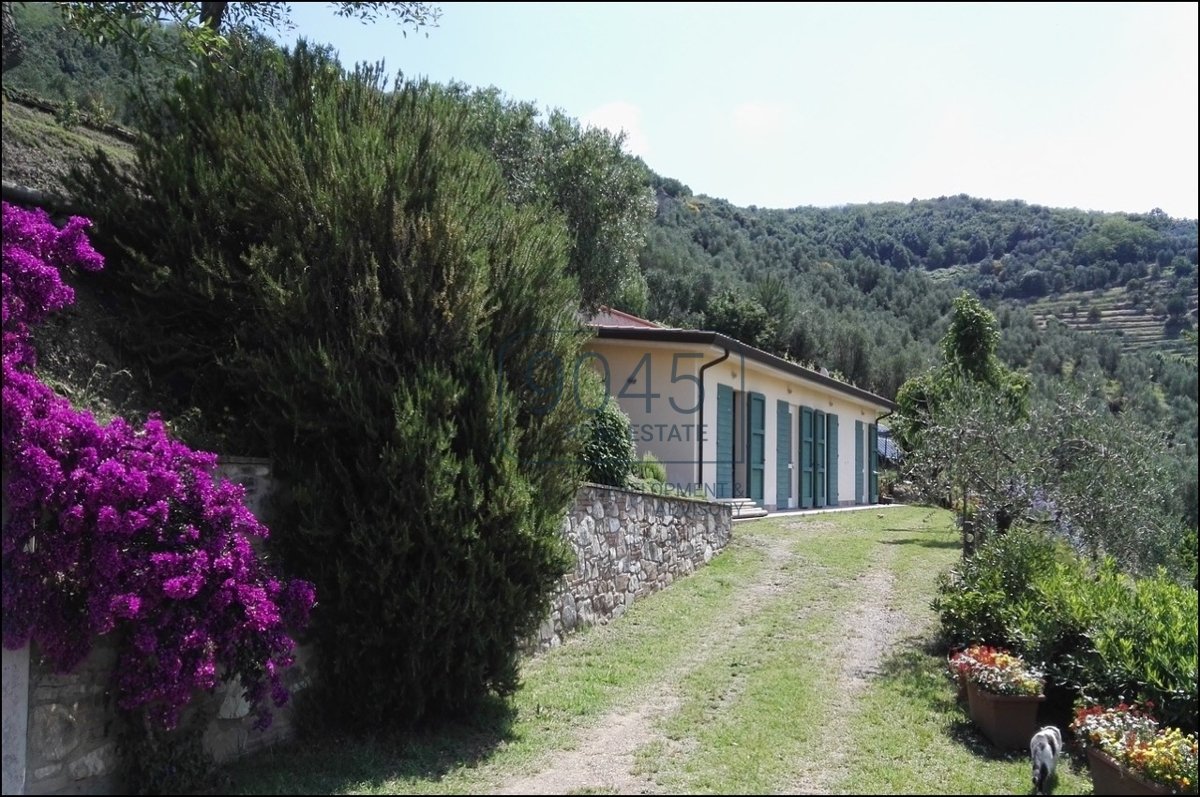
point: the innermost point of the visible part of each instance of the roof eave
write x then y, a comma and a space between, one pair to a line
704, 337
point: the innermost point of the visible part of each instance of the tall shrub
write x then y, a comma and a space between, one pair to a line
391, 330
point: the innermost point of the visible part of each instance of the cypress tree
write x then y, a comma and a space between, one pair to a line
336, 279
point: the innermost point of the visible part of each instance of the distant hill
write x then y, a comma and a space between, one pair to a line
1141, 267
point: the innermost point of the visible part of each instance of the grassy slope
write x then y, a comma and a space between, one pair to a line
38, 152
747, 646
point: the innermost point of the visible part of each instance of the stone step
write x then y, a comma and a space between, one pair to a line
744, 507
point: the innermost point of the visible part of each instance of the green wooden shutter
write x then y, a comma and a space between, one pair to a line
819, 494
873, 463
724, 472
831, 447
806, 457
858, 462
783, 454
756, 445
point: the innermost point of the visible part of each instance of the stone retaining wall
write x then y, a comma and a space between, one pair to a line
628, 545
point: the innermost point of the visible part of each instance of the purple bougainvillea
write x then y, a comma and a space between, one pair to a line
114, 529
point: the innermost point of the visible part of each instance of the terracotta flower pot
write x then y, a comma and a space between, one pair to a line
1008, 721
1112, 777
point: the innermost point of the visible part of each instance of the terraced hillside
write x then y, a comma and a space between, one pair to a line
1138, 316
39, 149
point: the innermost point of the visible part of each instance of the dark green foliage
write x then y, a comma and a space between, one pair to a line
608, 452
886, 273
741, 317
336, 279
62, 66
155, 761
602, 193
969, 361
1094, 631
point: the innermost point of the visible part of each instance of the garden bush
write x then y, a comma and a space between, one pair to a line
1095, 631
976, 599
648, 467
608, 450
328, 269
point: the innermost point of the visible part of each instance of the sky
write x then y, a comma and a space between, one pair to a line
1092, 106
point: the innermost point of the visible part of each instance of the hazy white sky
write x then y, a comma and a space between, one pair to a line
777, 105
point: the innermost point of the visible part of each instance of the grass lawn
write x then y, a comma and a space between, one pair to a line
798, 661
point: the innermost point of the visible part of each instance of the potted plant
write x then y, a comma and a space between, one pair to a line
1003, 694
1128, 753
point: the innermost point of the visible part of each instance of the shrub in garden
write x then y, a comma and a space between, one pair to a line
117, 530
975, 599
392, 331
1093, 630
608, 452
648, 467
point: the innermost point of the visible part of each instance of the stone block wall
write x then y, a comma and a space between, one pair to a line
61, 731
72, 742
73, 729
628, 545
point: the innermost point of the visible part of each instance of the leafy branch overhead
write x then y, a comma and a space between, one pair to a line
131, 28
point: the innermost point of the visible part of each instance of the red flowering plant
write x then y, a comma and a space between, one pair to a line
961, 662
116, 529
1003, 673
1130, 735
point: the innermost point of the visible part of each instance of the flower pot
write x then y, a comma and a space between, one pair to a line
1112, 777
1008, 721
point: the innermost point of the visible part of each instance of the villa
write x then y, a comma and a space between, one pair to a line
735, 422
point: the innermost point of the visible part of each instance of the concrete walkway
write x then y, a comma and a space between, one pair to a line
821, 511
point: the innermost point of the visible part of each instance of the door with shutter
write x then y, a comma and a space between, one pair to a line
756, 446
806, 457
783, 454
819, 493
873, 464
831, 449
858, 462
724, 470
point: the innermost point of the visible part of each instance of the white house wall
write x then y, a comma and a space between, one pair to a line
776, 386
670, 433
665, 428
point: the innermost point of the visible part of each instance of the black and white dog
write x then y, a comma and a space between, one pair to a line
1044, 748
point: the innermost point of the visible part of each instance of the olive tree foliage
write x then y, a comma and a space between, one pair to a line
977, 433
204, 27
1099, 479
329, 270
928, 401
602, 193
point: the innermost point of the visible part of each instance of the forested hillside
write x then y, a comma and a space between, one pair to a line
892, 268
